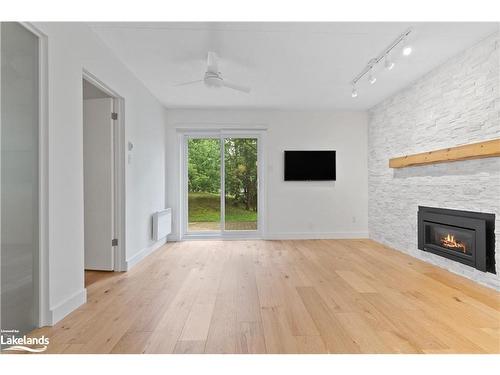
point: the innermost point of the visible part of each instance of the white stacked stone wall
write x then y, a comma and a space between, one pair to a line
455, 104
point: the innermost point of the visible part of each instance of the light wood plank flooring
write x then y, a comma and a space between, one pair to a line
92, 277
314, 296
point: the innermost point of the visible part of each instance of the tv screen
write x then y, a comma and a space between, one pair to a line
310, 166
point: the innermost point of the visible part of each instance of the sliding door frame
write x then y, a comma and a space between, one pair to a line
44, 315
41, 265
222, 134
185, 234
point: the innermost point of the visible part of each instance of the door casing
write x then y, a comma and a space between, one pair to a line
119, 156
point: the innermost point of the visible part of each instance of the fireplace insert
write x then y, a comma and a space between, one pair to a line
463, 236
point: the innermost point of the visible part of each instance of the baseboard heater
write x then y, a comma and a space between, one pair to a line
162, 224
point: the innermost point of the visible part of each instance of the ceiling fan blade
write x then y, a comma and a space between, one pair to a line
188, 83
212, 62
236, 86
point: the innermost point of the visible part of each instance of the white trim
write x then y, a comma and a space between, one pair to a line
183, 205
119, 185
316, 235
211, 128
262, 183
191, 237
120, 206
44, 315
68, 305
222, 186
91, 78
1, 309
131, 262
276, 236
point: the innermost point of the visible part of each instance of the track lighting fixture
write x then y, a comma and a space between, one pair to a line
372, 79
354, 92
389, 63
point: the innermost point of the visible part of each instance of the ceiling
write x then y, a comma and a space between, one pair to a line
289, 65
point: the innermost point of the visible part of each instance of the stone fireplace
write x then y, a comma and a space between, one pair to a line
457, 103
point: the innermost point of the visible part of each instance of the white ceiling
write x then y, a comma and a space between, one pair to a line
289, 65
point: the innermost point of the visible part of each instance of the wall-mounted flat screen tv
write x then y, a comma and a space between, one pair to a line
310, 166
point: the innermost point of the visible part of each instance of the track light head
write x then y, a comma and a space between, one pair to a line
372, 79
354, 92
389, 64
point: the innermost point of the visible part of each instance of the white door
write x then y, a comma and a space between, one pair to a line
98, 183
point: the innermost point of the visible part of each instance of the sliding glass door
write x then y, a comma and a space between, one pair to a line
240, 184
204, 187
221, 190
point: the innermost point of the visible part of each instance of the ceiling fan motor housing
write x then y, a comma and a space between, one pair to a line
213, 79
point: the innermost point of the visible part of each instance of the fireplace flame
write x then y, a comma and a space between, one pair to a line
450, 242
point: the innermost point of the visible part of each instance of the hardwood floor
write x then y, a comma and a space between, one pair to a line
92, 277
314, 296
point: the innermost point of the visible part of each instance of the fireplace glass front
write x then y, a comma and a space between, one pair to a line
450, 238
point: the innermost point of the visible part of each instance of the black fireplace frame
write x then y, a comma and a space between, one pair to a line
483, 225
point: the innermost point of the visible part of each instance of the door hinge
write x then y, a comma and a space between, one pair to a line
114, 116
114, 242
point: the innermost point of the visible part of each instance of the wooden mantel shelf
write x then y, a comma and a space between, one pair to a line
478, 150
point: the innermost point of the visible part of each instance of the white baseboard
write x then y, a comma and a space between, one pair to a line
144, 253
68, 305
315, 235
173, 238
76, 300
298, 236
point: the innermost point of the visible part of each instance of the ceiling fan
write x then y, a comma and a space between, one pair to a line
213, 78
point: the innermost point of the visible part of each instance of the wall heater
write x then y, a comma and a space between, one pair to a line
162, 224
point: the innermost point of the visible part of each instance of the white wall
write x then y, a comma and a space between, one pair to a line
72, 47
455, 104
294, 209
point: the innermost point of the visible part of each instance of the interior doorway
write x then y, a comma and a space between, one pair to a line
103, 179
